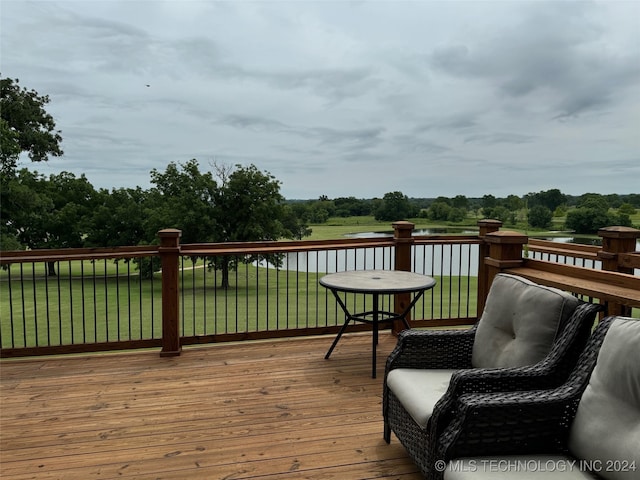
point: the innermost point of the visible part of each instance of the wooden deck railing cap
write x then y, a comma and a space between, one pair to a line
619, 232
170, 232
490, 222
506, 236
169, 240
403, 225
488, 225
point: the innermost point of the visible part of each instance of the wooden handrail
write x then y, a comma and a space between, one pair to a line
589, 252
621, 288
65, 254
242, 248
615, 284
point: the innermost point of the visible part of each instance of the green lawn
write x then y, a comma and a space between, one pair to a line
338, 227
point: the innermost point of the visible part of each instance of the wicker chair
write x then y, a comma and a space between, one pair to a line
588, 427
429, 370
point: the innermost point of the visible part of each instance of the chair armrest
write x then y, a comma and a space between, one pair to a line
486, 380
535, 421
449, 349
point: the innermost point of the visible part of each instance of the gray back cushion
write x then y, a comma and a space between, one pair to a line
606, 429
519, 323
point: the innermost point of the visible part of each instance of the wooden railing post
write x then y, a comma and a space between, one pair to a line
505, 251
403, 240
169, 250
486, 226
617, 241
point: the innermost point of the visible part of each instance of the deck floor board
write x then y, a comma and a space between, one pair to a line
252, 410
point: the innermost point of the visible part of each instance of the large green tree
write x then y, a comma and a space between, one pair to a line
395, 206
25, 125
539, 216
551, 199
25, 210
232, 204
249, 207
119, 218
73, 199
184, 198
46, 212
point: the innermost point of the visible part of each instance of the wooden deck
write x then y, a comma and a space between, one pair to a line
254, 410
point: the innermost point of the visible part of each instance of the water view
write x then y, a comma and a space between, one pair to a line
433, 260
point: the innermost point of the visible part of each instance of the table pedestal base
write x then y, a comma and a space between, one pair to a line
378, 317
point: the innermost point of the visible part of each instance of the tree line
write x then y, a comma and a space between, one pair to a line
584, 214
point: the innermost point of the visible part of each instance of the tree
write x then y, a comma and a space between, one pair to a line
183, 198
118, 218
513, 203
295, 224
627, 209
551, 199
249, 207
351, 207
614, 200
439, 211
395, 206
445, 200
594, 201
590, 220
25, 209
320, 210
25, 126
457, 215
539, 216
592, 214
587, 220
40, 212
634, 199
499, 213
489, 201
460, 201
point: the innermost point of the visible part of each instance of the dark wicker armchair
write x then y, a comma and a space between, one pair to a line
446, 359
590, 425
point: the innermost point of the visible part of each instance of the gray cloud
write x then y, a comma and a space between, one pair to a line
358, 98
499, 137
557, 48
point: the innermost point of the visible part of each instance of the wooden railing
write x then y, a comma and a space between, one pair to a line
616, 285
106, 299
114, 307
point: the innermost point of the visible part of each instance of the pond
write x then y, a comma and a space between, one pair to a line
416, 232
579, 239
438, 260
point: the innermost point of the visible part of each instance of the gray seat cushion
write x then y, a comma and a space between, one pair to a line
419, 390
606, 428
519, 323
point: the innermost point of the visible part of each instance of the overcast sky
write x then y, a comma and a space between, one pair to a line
340, 98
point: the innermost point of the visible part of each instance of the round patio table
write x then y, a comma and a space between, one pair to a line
375, 283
